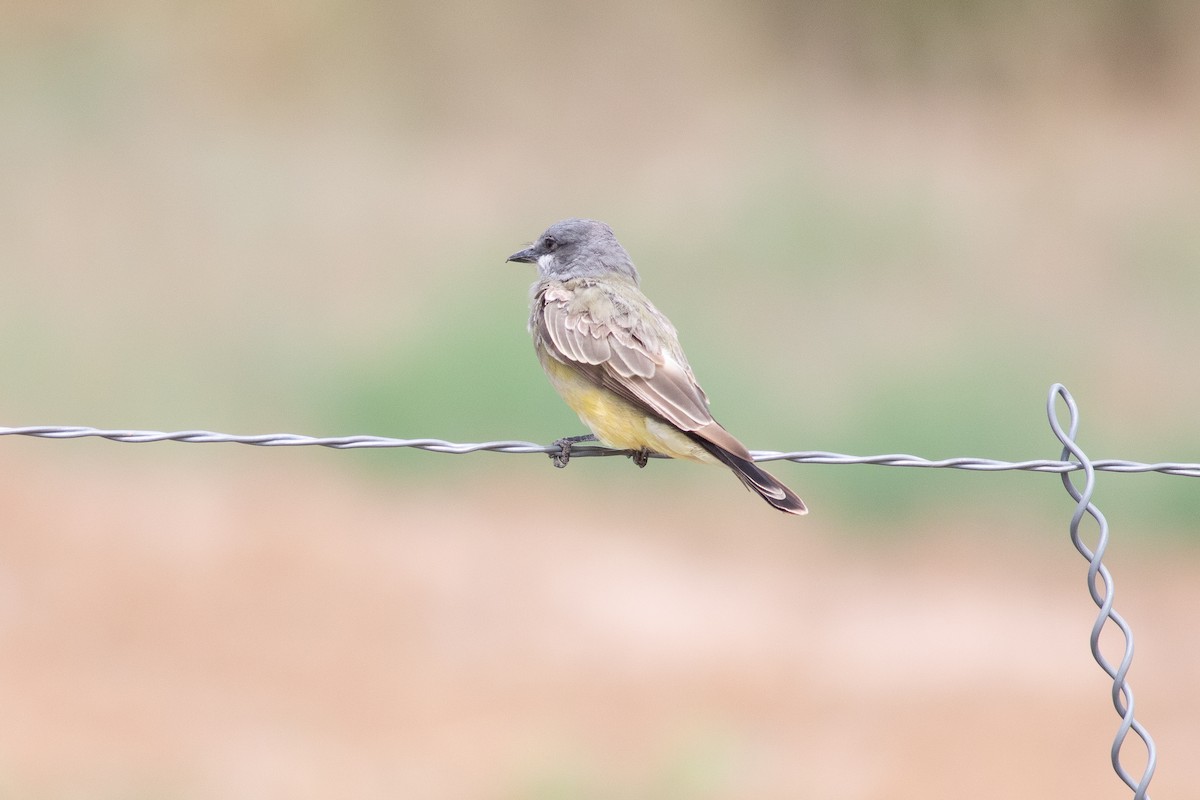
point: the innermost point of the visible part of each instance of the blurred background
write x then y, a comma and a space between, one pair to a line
879, 227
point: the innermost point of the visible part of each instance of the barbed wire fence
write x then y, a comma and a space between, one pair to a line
1072, 460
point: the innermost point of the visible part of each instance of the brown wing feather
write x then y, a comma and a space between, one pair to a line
632, 351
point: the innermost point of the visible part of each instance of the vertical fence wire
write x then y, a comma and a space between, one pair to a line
1100, 585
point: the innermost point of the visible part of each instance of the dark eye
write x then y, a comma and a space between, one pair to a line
549, 243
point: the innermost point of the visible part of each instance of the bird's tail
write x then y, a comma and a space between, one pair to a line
756, 479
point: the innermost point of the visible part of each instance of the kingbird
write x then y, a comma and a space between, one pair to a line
617, 362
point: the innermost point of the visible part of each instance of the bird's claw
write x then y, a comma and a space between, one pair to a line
640, 457
563, 456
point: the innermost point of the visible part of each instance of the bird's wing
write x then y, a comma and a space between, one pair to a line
624, 344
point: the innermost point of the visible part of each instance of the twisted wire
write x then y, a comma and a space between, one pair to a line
584, 451
1102, 596
1072, 459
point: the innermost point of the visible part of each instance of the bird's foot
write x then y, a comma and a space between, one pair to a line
640, 457
564, 444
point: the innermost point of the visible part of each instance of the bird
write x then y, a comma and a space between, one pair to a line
617, 362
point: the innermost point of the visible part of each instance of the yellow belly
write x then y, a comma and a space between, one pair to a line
616, 422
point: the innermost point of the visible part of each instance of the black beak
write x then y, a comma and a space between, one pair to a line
526, 256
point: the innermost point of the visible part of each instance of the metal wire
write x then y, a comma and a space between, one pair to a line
585, 451
1102, 596
1073, 459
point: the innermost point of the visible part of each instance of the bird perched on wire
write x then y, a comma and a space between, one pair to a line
617, 362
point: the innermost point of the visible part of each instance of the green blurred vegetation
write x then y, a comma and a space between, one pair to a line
878, 227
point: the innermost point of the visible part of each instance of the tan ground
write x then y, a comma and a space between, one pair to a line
189, 631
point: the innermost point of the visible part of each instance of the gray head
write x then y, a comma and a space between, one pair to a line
578, 248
